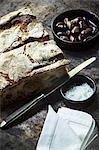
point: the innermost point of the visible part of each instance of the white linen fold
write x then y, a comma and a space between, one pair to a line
48, 130
66, 130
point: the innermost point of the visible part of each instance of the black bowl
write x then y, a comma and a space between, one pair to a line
76, 81
76, 45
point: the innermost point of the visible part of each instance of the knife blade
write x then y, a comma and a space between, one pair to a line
25, 108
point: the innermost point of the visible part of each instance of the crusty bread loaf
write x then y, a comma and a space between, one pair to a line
31, 67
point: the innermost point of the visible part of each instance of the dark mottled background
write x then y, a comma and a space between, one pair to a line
25, 135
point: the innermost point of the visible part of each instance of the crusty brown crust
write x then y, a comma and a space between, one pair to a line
40, 80
11, 15
29, 59
28, 68
19, 28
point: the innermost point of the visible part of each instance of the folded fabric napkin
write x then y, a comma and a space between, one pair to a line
66, 130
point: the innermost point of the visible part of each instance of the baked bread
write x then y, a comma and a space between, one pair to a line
18, 28
30, 68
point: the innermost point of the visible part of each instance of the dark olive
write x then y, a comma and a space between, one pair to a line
81, 18
83, 32
72, 38
64, 37
76, 20
80, 24
87, 31
76, 29
60, 25
70, 25
60, 33
81, 37
84, 18
65, 21
83, 24
94, 30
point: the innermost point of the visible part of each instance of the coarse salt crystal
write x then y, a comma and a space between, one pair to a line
79, 93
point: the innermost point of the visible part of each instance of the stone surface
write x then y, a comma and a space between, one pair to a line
25, 135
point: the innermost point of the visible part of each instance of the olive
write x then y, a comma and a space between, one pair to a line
70, 25
87, 31
81, 18
65, 21
76, 29
64, 37
94, 30
80, 24
72, 38
60, 33
81, 37
76, 20
83, 24
60, 25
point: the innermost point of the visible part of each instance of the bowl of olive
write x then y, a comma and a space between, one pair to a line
75, 29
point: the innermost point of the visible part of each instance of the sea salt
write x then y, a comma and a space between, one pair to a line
79, 93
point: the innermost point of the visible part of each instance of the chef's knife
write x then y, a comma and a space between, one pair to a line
24, 109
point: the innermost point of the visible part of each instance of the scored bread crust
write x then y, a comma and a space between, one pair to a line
22, 61
39, 80
29, 68
18, 28
11, 15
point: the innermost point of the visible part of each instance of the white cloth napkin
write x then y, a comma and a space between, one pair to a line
80, 122
65, 130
